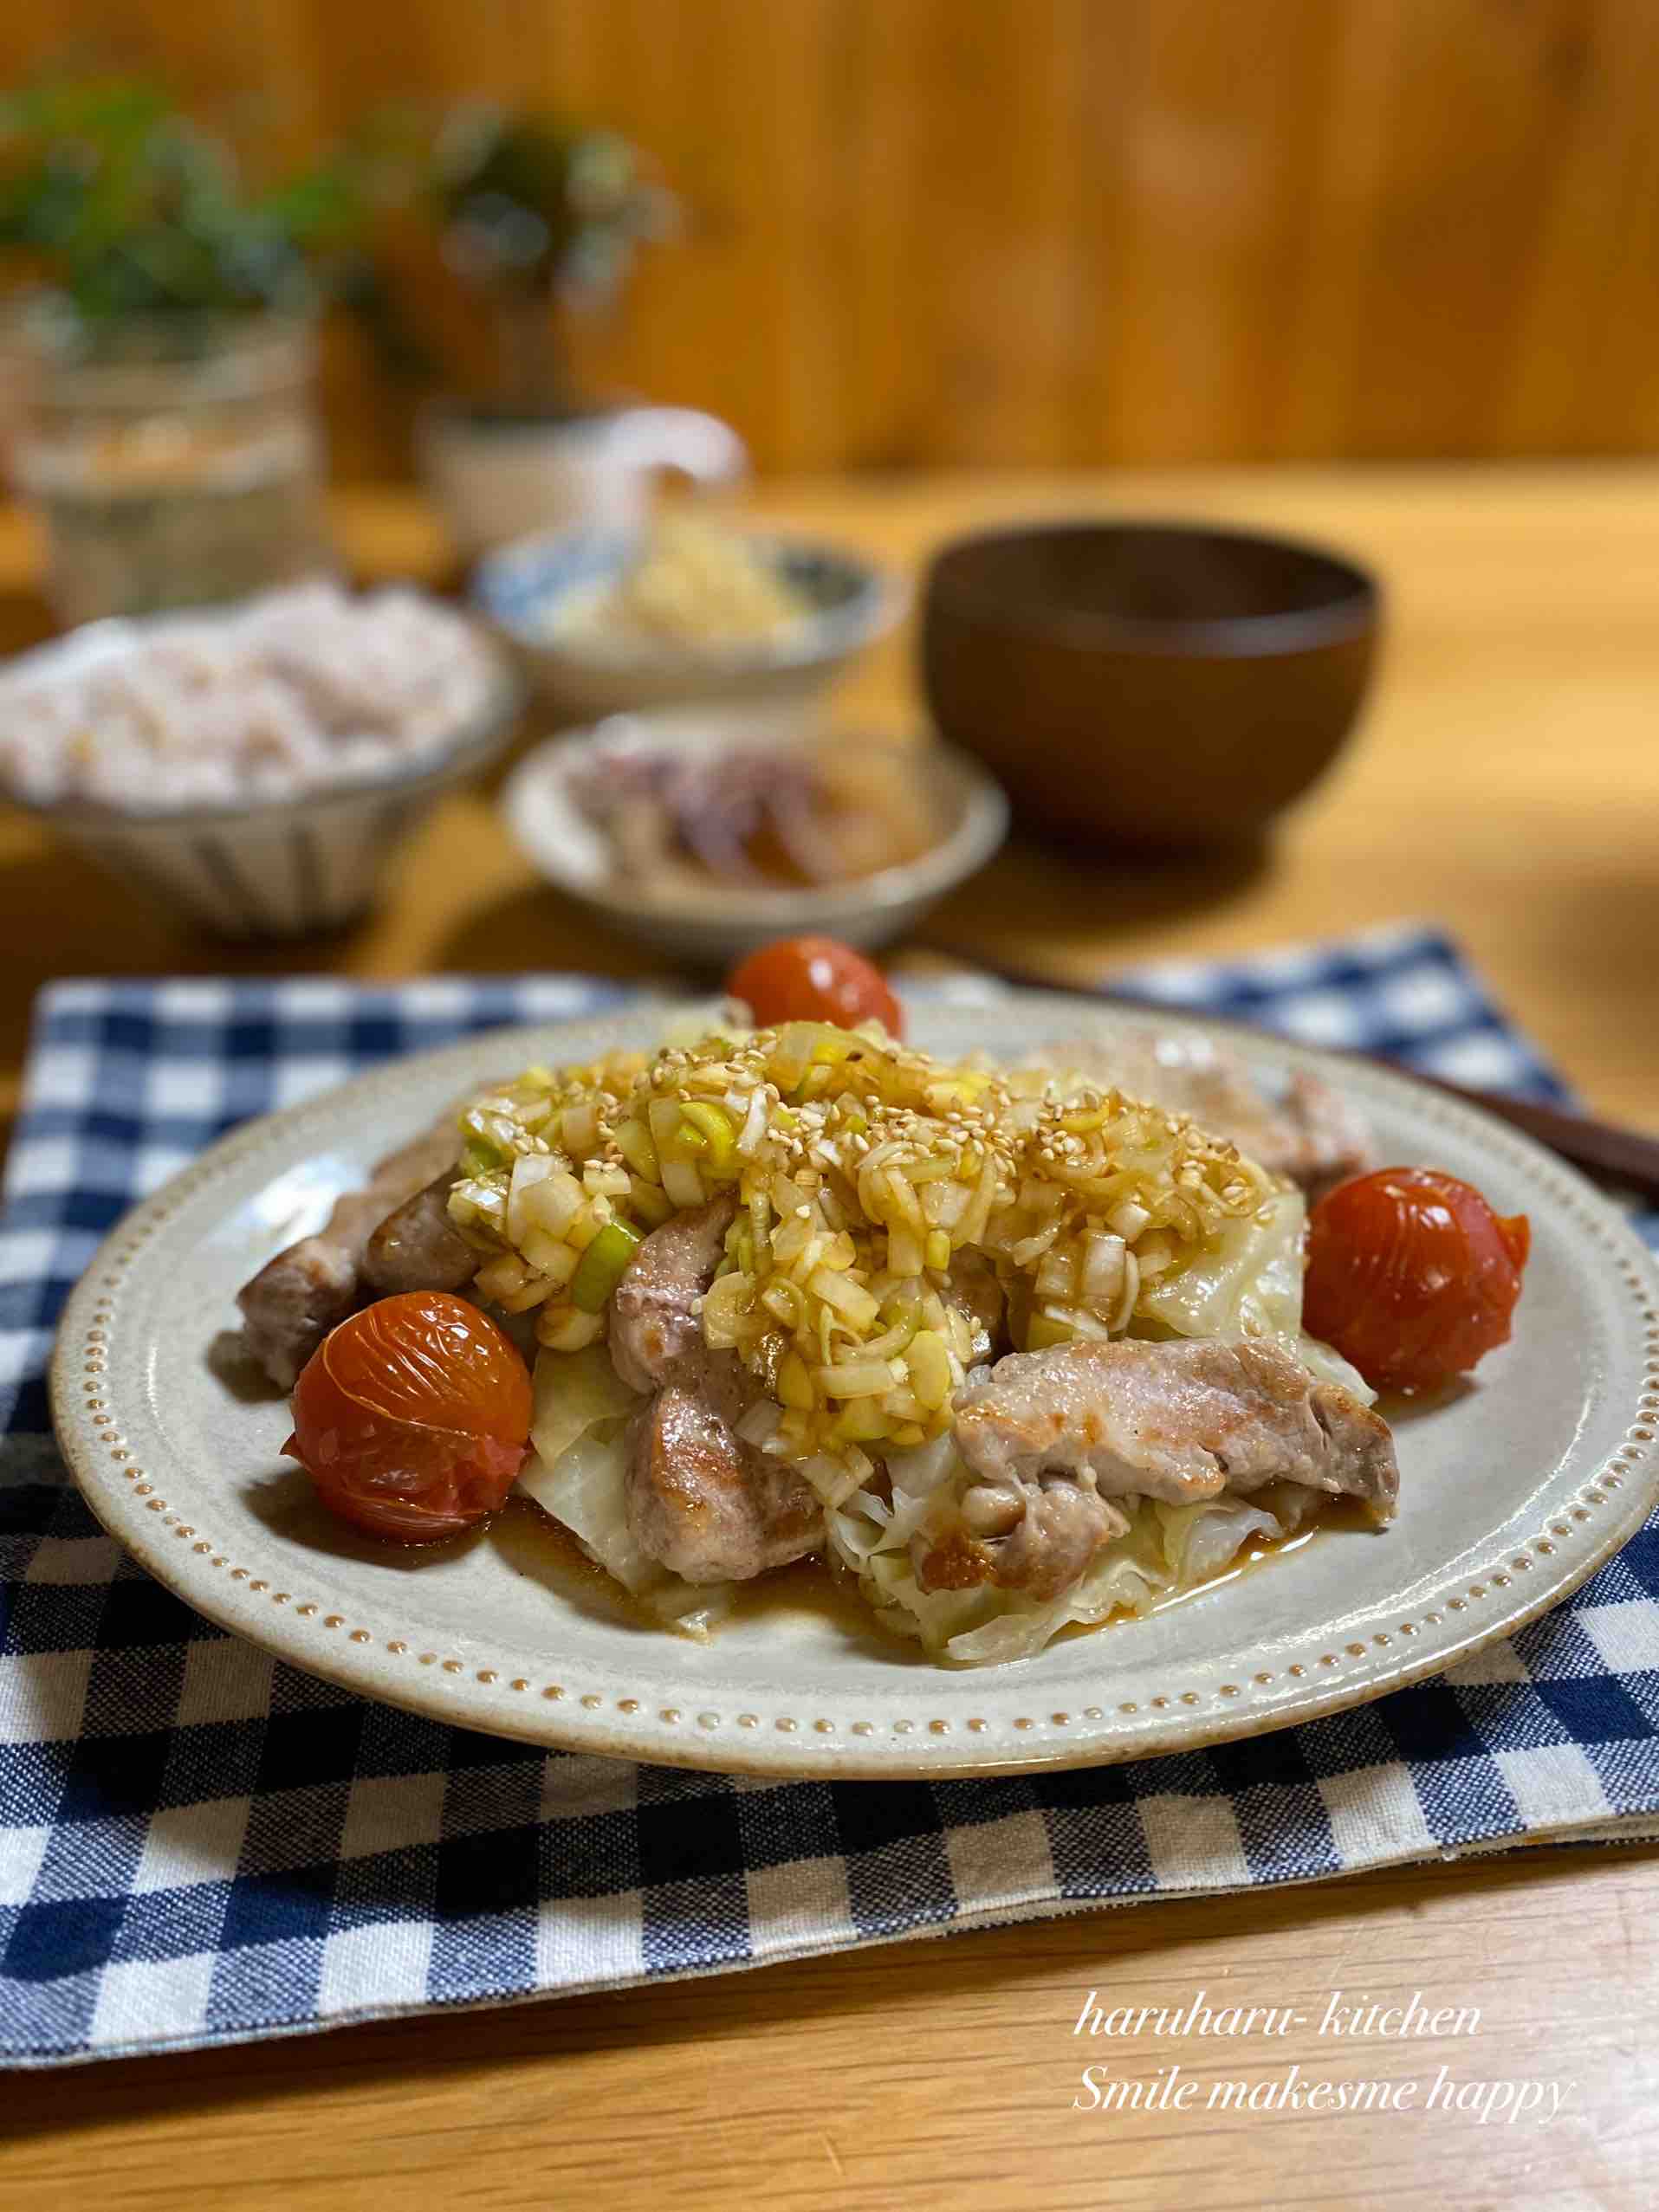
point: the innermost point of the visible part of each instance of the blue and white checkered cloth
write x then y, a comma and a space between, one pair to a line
198, 1845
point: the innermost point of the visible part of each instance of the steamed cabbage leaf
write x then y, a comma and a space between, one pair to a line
578, 1473
1248, 1283
585, 1489
572, 1390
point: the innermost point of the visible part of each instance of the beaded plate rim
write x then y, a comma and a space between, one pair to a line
111, 1441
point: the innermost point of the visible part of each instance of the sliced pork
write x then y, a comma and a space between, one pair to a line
1181, 1420
1054, 1438
707, 1505
296, 1298
973, 1288
417, 1247
1331, 1139
702, 1501
1037, 1535
655, 1331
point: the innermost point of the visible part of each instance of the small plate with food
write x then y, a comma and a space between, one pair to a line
709, 832
609, 620
726, 1385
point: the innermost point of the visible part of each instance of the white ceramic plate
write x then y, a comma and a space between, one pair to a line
1510, 1494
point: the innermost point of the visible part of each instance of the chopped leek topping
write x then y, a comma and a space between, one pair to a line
711, 1128
602, 1264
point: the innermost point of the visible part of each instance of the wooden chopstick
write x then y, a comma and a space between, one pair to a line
1602, 1148
1622, 1156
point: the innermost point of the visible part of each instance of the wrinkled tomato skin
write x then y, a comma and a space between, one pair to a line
814, 978
412, 1418
1412, 1276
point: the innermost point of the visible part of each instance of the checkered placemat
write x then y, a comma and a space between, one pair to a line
198, 1845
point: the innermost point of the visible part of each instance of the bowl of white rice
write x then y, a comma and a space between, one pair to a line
256, 766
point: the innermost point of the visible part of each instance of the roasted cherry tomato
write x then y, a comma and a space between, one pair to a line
412, 1417
814, 979
1412, 1276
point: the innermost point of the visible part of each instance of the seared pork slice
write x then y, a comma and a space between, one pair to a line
1313, 1134
417, 1247
654, 1326
972, 1287
1181, 1420
1034, 1534
707, 1505
1333, 1140
296, 1298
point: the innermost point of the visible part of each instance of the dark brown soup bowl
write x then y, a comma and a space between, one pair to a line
1151, 686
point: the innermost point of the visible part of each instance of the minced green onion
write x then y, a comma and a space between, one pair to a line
711, 1130
602, 1265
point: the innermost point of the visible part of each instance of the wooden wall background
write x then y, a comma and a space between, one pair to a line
1053, 231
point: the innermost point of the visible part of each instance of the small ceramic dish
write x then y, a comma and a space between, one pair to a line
715, 925
268, 869
527, 589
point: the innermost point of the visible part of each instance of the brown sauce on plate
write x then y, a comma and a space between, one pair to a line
533, 1543
1255, 1554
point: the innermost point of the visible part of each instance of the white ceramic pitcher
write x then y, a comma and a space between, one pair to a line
502, 479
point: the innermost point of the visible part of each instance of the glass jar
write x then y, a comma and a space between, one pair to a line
172, 460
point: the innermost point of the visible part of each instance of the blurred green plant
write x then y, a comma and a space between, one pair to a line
124, 208
120, 209
537, 217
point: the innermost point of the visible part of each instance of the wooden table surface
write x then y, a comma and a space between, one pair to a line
1504, 784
